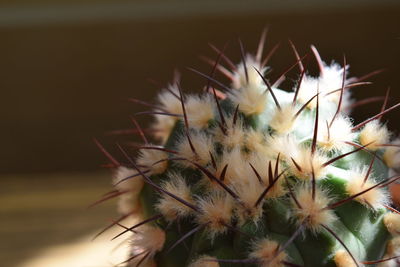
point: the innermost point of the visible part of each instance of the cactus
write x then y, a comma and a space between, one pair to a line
252, 175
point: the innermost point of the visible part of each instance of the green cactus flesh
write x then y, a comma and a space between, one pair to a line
257, 176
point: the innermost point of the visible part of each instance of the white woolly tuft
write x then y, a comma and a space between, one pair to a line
312, 211
335, 136
216, 210
308, 89
256, 142
239, 78
392, 155
170, 208
392, 250
251, 100
393, 247
343, 259
291, 151
153, 159
392, 223
162, 127
199, 110
235, 134
330, 80
374, 198
285, 145
128, 202
169, 101
164, 124
203, 145
238, 168
374, 132
249, 191
284, 120
265, 251
260, 164
148, 241
308, 163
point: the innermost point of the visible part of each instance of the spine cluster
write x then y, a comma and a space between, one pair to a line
253, 175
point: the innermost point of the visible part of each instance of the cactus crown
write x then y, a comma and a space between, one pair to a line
252, 175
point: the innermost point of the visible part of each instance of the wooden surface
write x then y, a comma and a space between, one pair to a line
38, 212
44, 221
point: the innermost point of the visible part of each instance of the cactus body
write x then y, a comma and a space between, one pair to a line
257, 176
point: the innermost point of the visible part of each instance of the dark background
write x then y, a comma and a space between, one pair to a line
66, 75
67, 69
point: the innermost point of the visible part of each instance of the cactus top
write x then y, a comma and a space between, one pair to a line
248, 174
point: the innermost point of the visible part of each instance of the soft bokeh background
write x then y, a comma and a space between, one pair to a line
67, 68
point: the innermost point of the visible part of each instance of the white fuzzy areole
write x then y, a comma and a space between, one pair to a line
286, 145
330, 80
308, 163
199, 110
238, 168
374, 198
393, 246
153, 159
283, 121
392, 155
129, 201
163, 126
149, 239
170, 208
216, 210
254, 79
234, 136
205, 261
376, 133
312, 211
308, 89
343, 259
261, 165
392, 223
291, 151
249, 190
334, 137
392, 250
251, 101
203, 145
169, 101
123, 172
255, 142
265, 249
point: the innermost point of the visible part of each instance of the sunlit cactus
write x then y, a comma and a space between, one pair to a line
247, 174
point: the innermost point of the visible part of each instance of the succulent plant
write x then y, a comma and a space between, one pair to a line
248, 174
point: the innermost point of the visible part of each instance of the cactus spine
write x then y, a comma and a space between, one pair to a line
251, 175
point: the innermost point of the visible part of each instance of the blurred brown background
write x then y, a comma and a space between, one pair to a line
67, 69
